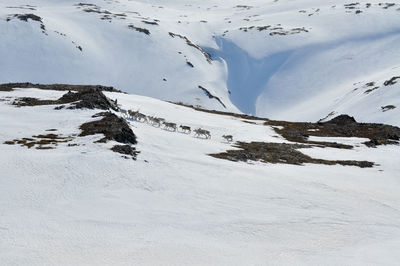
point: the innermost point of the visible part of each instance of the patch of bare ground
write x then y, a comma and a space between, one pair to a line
40, 142
341, 126
280, 153
55, 87
113, 128
89, 98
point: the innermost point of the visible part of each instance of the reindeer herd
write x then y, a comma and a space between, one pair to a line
160, 122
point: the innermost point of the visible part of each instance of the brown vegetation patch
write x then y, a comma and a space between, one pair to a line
55, 87
280, 153
341, 126
90, 98
40, 142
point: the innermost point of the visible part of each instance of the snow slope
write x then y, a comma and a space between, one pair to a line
294, 60
175, 205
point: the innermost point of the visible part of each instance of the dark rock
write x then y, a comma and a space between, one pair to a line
112, 127
391, 81
56, 87
25, 17
125, 150
387, 107
211, 96
341, 126
90, 98
342, 120
142, 30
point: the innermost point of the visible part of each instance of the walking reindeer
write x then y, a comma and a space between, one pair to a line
169, 126
137, 116
185, 129
154, 121
228, 138
202, 132
124, 113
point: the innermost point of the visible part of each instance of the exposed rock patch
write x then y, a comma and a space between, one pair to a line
105, 14
150, 22
26, 17
113, 128
90, 98
280, 153
211, 96
127, 150
391, 81
56, 87
190, 43
341, 126
142, 30
275, 30
387, 107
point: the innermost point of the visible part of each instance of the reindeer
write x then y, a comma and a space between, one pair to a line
185, 129
140, 117
169, 126
202, 132
137, 116
228, 138
132, 114
124, 113
154, 121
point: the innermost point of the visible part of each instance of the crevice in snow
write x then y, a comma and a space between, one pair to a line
247, 76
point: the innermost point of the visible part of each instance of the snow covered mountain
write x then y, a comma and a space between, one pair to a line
280, 194
281, 59
263, 132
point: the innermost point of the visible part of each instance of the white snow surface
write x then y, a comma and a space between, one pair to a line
284, 59
175, 205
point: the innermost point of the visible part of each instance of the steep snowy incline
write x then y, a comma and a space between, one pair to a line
281, 59
110, 44
78, 203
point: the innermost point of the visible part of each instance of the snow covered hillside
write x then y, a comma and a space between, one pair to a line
67, 199
281, 59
